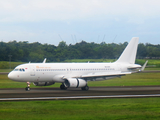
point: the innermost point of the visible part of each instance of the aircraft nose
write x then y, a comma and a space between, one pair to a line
11, 76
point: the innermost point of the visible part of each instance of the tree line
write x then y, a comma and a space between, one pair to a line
36, 52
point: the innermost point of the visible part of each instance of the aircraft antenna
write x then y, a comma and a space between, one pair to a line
103, 38
44, 61
60, 37
98, 38
72, 38
75, 38
114, 38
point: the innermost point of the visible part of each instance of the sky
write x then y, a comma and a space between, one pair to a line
53, 21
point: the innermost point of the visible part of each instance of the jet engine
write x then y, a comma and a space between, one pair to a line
75, 82
43, 83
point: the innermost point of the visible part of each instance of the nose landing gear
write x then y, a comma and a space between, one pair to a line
28, 86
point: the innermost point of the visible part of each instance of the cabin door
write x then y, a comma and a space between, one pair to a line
32, 70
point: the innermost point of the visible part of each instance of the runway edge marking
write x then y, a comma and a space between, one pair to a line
78, 97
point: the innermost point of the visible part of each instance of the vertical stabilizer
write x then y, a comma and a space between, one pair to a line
129, 54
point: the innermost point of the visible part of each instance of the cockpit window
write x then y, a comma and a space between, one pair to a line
16, 69
20, 69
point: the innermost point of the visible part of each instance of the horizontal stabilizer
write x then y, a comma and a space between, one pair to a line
134, 66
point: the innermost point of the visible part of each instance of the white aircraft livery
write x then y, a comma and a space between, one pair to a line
77, 74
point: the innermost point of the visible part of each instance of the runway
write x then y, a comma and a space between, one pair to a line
77, 93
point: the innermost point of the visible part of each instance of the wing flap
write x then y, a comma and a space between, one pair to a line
105, 74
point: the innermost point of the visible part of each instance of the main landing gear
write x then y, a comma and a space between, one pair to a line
28, 86
63, 87
86, 88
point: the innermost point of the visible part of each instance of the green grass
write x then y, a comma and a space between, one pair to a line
7, 65
90, 60
6, 70
137, 79
148, 68
151, 62
86, 109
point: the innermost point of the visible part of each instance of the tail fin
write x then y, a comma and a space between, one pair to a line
129, 54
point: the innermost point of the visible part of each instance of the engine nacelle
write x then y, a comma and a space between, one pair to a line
43, 83
75, 82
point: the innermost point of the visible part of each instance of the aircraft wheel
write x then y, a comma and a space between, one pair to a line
28, 89
62, 87
86, 88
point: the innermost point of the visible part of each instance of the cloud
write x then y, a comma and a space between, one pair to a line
38, 10
45, 20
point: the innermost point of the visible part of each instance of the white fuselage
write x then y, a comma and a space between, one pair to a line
46, 72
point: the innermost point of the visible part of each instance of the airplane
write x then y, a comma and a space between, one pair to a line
76, 75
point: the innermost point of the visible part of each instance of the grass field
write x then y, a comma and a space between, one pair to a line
7, 65
5, 70
90, 60
86, 109
151, 62
137, 79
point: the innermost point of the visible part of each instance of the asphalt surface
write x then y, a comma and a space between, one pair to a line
75, 92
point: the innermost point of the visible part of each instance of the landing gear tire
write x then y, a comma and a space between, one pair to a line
86, 88
28, 86
62, 87
27, 89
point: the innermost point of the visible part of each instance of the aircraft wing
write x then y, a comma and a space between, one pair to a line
102, 74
